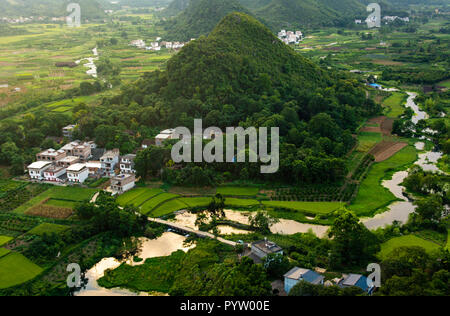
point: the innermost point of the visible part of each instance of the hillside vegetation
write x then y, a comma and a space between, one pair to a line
199, 18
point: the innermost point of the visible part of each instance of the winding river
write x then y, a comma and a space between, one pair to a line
400, 210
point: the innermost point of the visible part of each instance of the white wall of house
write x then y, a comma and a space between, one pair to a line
54, 176
78, 177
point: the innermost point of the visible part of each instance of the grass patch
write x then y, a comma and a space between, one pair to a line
4, 240
48, 228
372, 195
16, 269
405, 241
239, 191
315, 208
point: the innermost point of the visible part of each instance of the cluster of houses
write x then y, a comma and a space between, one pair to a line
77, 161
290, 37
157, 45
261, 249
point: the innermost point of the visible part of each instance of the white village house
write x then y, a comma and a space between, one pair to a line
122, 183
127, 164
77, 173
36, 169
109, 161
55, 173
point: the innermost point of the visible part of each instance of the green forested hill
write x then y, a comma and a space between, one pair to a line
199, 18
13, 8
301, 13
242, 75
176, 7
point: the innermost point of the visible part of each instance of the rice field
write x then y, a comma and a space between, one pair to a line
372, 195
48, 228
238, 191
4, 240
16, 269
148, 206
138, 196
64, 196
316, 208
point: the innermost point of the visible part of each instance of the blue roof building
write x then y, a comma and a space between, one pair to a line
356, 280
296, 275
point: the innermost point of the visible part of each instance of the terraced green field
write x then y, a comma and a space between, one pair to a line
236, 191
240, 202
320, 208
405, 241
148, 206
196, 201
168, 208
144, 195
16, 269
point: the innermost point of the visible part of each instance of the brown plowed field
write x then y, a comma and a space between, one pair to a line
385, 150
384, 125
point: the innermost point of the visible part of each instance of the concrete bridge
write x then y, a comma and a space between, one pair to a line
188, 230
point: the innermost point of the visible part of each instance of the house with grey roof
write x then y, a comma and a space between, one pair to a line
263, 248
355, 280
295, 275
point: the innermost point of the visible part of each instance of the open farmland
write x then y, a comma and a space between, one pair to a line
16, 269
66, 197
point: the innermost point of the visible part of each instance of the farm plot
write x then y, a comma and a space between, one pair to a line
315, 208
394, 104
240, 202
405, 241
196, 201
372, 195
4, 240
4, 252
237, 191
64, 195
138, 198
386, 149
148, 206
168, 208
16, 269
367, 140
48, 228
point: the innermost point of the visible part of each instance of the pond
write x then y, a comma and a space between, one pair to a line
165, 245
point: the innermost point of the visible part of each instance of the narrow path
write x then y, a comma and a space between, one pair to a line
192, 231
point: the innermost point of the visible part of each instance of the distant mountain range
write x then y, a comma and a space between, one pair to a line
90, 9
